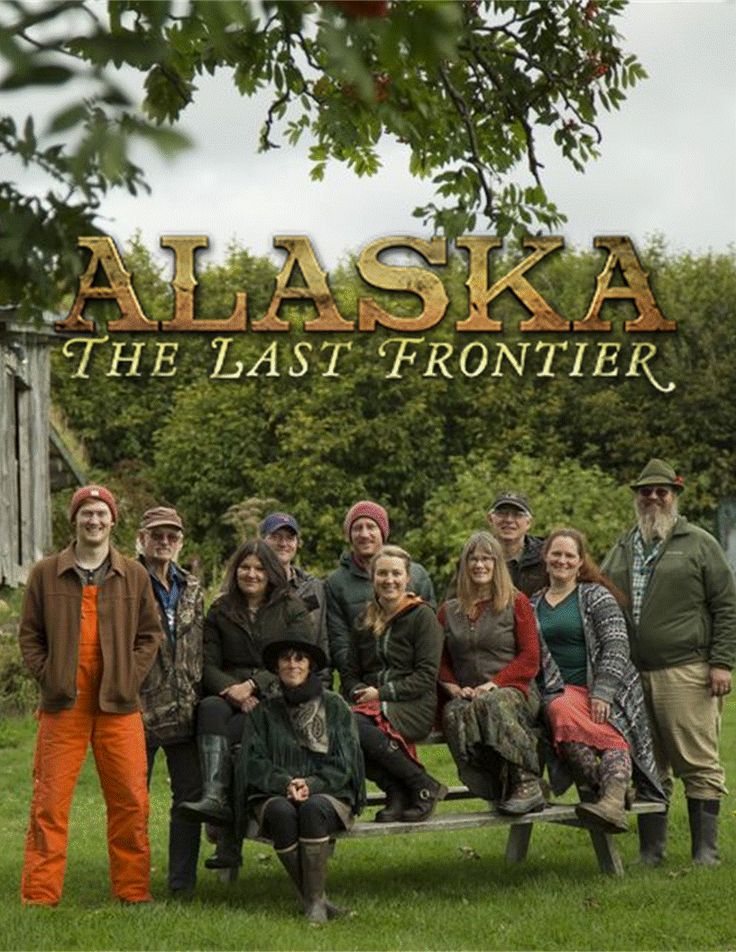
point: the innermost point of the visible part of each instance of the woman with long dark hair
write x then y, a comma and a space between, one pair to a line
255, 607
592, 693
490, 659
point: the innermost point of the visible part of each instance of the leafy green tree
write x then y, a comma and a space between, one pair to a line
465, 86
561, 493
316, 443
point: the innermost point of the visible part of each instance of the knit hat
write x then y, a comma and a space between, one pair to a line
278, 520
161, 516
511, 498
365, 509
84, 493
657, 472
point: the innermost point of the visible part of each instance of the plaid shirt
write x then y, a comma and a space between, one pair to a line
641, 570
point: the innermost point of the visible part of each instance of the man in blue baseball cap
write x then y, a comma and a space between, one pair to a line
280, 531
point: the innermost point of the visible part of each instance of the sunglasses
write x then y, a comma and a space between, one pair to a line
165, 536
659, 491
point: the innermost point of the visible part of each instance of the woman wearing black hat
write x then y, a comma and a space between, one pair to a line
255, 608
300, 771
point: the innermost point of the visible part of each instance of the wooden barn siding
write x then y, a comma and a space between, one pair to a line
25, 513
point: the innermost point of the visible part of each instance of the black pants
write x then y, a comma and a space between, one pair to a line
182, 761
285, 821
215, 715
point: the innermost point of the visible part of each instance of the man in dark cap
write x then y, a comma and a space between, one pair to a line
682, 630
171, 691
280, 531
510, 518
89, 633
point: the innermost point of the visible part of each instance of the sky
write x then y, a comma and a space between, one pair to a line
668, 161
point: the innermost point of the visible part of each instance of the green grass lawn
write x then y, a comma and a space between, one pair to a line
415, 892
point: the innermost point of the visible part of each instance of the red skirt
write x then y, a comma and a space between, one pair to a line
570, 720
373, 710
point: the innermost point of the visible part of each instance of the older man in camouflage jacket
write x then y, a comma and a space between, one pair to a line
171, 691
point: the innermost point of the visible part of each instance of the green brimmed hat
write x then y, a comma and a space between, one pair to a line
657, 472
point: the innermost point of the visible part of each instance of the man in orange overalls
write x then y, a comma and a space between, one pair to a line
89, 634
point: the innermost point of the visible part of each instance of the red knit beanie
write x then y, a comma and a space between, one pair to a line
85, 493
365, 509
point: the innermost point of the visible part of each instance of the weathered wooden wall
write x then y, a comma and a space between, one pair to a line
25, 501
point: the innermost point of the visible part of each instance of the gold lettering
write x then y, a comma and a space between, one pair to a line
119, 288
317, 290
87, 345
621, 253
222, 346
419, 281
544, 317
184, 283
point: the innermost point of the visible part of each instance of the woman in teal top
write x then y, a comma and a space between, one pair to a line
593, 697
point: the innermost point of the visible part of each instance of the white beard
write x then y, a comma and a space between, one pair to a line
656, 523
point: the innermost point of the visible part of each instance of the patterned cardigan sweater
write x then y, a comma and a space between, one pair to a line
611, 677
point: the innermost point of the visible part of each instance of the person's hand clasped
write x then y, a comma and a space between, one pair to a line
240, 694
485, 688
298, 790
366, 694
599, 710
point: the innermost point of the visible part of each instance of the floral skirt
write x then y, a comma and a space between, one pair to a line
570, 719
488, 733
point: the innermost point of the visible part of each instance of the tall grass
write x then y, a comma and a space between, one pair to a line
433, 891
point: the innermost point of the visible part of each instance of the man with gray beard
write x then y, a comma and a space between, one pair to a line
682, 629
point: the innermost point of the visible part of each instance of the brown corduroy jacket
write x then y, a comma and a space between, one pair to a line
129, 627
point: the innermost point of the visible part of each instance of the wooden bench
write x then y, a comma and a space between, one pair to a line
519, 828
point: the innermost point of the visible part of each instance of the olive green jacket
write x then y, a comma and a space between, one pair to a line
403, 664
688, 612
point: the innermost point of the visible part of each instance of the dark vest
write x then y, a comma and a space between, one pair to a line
482, 648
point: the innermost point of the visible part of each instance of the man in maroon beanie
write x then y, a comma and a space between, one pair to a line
89, 633
349, 587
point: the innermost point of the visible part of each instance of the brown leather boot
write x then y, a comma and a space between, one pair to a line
609, 813
525, 795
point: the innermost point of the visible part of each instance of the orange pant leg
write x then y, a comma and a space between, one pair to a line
120, 753
61, 746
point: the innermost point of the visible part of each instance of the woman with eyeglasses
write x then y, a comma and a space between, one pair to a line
489, 662
593, 697
299, 776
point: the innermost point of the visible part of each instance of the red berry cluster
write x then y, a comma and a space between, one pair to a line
363, 8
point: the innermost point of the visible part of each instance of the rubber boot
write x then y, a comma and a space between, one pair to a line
525, 795
313, 856
703, 817
213, 806
609, 813
291, 861
397, 800
652, 838
425, 793
228, 851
